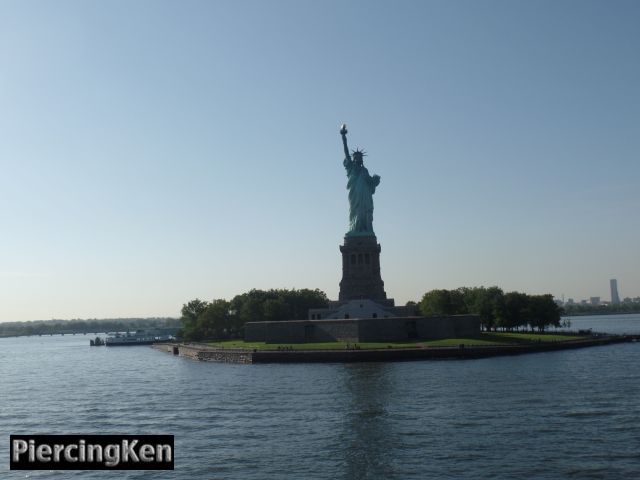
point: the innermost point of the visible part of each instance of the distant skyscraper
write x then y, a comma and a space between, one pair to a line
615, 299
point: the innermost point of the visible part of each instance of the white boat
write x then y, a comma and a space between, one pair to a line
139, 338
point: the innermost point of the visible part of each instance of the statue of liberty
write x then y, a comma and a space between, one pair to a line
361, 188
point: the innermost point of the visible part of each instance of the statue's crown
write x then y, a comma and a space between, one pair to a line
358, 152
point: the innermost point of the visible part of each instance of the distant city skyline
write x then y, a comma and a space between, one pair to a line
158, 151
611, 286
614, 298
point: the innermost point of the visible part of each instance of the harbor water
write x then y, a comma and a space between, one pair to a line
567, 414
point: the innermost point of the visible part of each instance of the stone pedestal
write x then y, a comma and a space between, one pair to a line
361, 270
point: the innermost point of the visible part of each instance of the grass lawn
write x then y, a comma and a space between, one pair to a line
454, 342
308, 346
487, 338
532, 337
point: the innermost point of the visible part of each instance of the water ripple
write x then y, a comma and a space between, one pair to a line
571, 414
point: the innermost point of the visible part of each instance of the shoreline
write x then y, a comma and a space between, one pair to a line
207, 353
599, 314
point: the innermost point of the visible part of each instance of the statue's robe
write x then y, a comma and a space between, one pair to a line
361, 188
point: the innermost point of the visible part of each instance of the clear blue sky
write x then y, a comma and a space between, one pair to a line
153, 152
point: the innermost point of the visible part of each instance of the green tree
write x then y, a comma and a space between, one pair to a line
489, 304
300, 301
247, 307
215, 320
274, 309
189, 319
544, 312
442, 302
517, 312
278, 304
413, 307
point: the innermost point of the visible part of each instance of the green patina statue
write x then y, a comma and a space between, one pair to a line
361, 188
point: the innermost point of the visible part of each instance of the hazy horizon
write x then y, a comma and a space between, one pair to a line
155, 152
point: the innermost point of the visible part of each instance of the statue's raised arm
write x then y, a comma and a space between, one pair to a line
343, 132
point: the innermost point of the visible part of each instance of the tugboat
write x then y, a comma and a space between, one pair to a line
139, 338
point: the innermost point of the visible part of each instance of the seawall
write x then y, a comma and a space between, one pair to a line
207, 353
